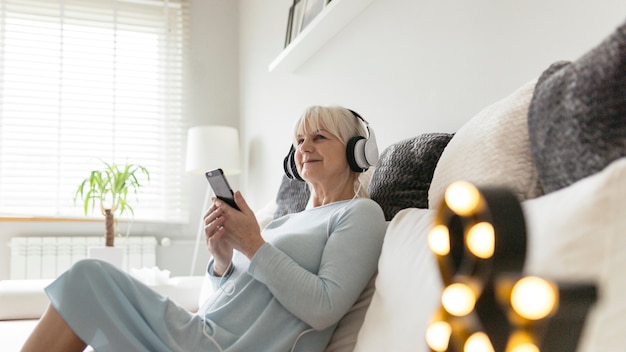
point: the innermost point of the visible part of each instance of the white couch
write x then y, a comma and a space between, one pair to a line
575, 234
559, 144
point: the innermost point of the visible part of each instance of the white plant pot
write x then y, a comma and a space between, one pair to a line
113, 255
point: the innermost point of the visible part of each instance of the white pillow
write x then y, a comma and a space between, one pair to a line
491, 149
265, 215
408, 287
576, 233
579, 233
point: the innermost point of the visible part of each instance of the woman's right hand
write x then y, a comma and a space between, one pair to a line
216, 241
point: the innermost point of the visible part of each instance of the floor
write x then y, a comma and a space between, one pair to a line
13, 333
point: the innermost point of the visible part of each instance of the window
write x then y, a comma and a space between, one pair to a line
88, 80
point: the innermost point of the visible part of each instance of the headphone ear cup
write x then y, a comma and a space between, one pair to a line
355, 153
289, 165
362, 152
370, 149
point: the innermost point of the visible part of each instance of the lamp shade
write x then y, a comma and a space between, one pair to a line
211, 147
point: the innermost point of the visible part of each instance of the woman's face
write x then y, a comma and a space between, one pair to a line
320, 157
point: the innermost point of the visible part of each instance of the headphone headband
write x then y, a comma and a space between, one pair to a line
359, 117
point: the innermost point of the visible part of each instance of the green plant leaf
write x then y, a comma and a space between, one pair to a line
111, 184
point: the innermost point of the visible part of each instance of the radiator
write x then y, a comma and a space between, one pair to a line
48, 257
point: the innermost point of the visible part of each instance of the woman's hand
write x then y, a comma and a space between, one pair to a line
219, 248
239, 229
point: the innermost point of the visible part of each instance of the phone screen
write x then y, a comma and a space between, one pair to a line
220, 187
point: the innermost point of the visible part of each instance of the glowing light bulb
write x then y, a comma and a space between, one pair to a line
458, 299
481, 240
462, 197
478, 342
438, 336
439, 240
533, 297
521, 341
525, 347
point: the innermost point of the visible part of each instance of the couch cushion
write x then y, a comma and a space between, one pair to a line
577, 114
407, 287
345, 335
491, 149
404, 171
579, 233
292, 197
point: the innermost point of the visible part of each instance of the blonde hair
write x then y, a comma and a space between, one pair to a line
341, 123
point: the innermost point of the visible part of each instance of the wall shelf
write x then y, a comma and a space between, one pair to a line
336, 15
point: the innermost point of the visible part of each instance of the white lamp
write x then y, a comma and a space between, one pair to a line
211, 147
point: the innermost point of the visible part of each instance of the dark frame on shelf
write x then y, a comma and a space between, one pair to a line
336, 14
312, 9
294, 21
301, 13
289, 24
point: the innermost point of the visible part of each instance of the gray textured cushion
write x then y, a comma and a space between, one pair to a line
577, 116
404, 172
292, 197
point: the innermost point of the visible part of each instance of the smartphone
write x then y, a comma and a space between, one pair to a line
220, 187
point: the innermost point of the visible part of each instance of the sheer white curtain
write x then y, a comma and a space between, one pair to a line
88, 80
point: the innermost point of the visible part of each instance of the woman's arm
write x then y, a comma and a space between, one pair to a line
349, 260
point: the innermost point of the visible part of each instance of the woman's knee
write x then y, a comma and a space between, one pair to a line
89, 267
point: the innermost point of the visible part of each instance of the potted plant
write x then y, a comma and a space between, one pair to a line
109, 188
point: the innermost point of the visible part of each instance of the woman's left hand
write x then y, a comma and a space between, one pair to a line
241, 228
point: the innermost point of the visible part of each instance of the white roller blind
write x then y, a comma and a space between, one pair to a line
88, 80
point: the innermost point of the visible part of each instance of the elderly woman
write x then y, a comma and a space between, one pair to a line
281, 289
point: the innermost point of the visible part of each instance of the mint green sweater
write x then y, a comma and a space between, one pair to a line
301, 282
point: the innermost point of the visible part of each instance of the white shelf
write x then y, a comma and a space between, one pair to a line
336, 15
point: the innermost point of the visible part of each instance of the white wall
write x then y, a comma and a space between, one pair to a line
213, 100
407, 66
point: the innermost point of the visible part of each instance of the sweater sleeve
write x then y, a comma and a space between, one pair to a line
216, 281
349, 260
